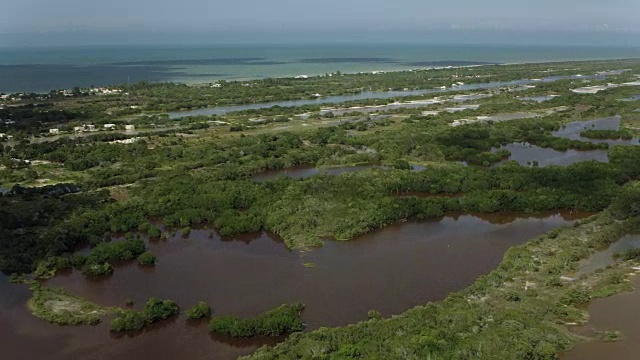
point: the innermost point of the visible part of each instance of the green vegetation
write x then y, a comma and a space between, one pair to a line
199, 311
154, 310
147, 259
607, 134
64, 193
59, 307
124, 250
281, 320
128, 320
515, 312
94, 269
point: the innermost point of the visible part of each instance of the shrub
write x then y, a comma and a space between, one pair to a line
281, 320
374, 314
186, 231
154, 232
156, 309
122, 250
128, 320
97, 269
575, 296
199, 311
147, 259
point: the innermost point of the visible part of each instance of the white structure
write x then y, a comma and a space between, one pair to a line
54, 131
90, 127
129, 127
78, 128
109, 126
302, 77
105, 91
126, 141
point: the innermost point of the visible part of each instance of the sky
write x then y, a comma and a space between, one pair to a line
29, 22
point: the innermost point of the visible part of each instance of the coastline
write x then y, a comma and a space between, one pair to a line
45, 68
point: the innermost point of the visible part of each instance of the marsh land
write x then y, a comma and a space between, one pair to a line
475, 212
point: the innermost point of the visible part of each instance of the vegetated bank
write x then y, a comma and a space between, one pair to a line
518, 311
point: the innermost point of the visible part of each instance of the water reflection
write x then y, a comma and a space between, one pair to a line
390, 270
620, 312
572, 130
527, 154
604, 258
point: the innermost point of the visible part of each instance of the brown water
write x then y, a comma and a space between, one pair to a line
390, 270
619, 312
526, 154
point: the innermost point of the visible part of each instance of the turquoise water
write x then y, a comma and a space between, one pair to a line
43, 69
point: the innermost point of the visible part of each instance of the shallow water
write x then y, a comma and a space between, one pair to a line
604, 258
40, 69
539, 99
572, 131
509, 116
620, 312
526, 154
390, 270
632, 98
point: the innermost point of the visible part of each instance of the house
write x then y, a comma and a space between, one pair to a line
89, 127
129, 127
54, 131
78, 128
109, 126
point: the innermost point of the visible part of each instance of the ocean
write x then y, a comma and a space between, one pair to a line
45, 69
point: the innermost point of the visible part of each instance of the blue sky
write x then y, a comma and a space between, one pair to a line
78, 21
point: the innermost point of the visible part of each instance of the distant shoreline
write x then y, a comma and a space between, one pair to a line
39, 70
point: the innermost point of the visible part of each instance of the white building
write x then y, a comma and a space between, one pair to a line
129, 127
78, 128
109, 126
54, 131
89, 127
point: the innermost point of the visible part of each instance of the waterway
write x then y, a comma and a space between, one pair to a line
222, 110
526, 154
572, 130
390, 270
